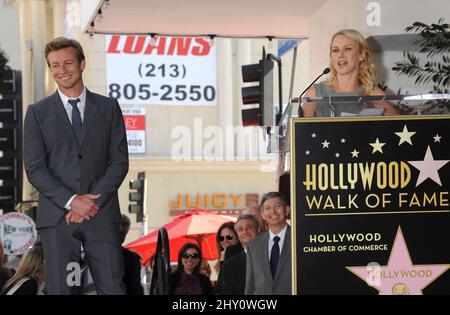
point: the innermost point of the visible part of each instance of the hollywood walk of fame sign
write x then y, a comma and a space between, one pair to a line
371, 205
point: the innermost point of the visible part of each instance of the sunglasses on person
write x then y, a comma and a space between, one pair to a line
228, 237
193, 256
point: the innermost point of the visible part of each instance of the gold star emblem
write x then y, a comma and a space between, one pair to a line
325, 144
343, 140
377, 146
307, 152
354, 153
405, 135
337, 155
313, 135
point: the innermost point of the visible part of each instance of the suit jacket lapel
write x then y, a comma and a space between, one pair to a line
90, 110
62, 114
265, 254
285, 253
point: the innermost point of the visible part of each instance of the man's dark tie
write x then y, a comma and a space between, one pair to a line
274, 256
76, 119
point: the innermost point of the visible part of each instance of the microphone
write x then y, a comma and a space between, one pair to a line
300, 110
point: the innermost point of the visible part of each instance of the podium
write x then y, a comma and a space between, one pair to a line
370, 202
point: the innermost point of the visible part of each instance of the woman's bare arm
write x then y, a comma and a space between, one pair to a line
309, 109
389, 110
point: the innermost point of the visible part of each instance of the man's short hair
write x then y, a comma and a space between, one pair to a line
247, 217
274, 194
61, 43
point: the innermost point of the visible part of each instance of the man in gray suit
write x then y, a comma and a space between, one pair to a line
76, 156
269, 255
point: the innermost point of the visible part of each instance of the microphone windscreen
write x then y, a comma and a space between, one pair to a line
326, 70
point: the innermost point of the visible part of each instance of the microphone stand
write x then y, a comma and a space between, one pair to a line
280, 91
300, 110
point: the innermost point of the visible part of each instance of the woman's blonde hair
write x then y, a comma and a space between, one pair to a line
366, 70
31, 265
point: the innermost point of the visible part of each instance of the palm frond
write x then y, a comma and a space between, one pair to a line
434, 40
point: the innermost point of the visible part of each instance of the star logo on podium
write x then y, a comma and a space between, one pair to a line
429, 168
377, 146
405, 135
400, 276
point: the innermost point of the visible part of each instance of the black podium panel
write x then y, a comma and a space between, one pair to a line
370, 200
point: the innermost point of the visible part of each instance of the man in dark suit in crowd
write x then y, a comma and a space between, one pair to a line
234, 268
132, 267
76, 156
229, 252
132, 262
269, 255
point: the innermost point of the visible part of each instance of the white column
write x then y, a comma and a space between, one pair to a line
225, 81
225, 95
25, 52
25, 56
39, 31
59, 16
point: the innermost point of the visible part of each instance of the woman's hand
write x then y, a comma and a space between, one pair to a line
389, 110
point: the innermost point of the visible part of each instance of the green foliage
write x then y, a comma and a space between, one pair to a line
3, 62
434, 41
4, 68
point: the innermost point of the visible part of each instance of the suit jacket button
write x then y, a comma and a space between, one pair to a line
80, 156
77, 180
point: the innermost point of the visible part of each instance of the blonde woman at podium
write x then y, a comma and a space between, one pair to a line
352, 73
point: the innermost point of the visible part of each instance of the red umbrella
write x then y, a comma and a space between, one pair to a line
198, 226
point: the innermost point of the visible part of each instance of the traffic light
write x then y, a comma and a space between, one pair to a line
261, 94
138, 197
10, 140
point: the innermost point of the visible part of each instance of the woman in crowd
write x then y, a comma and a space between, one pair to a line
5, 272
29, 277
226, 236
352, 73
187, 279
